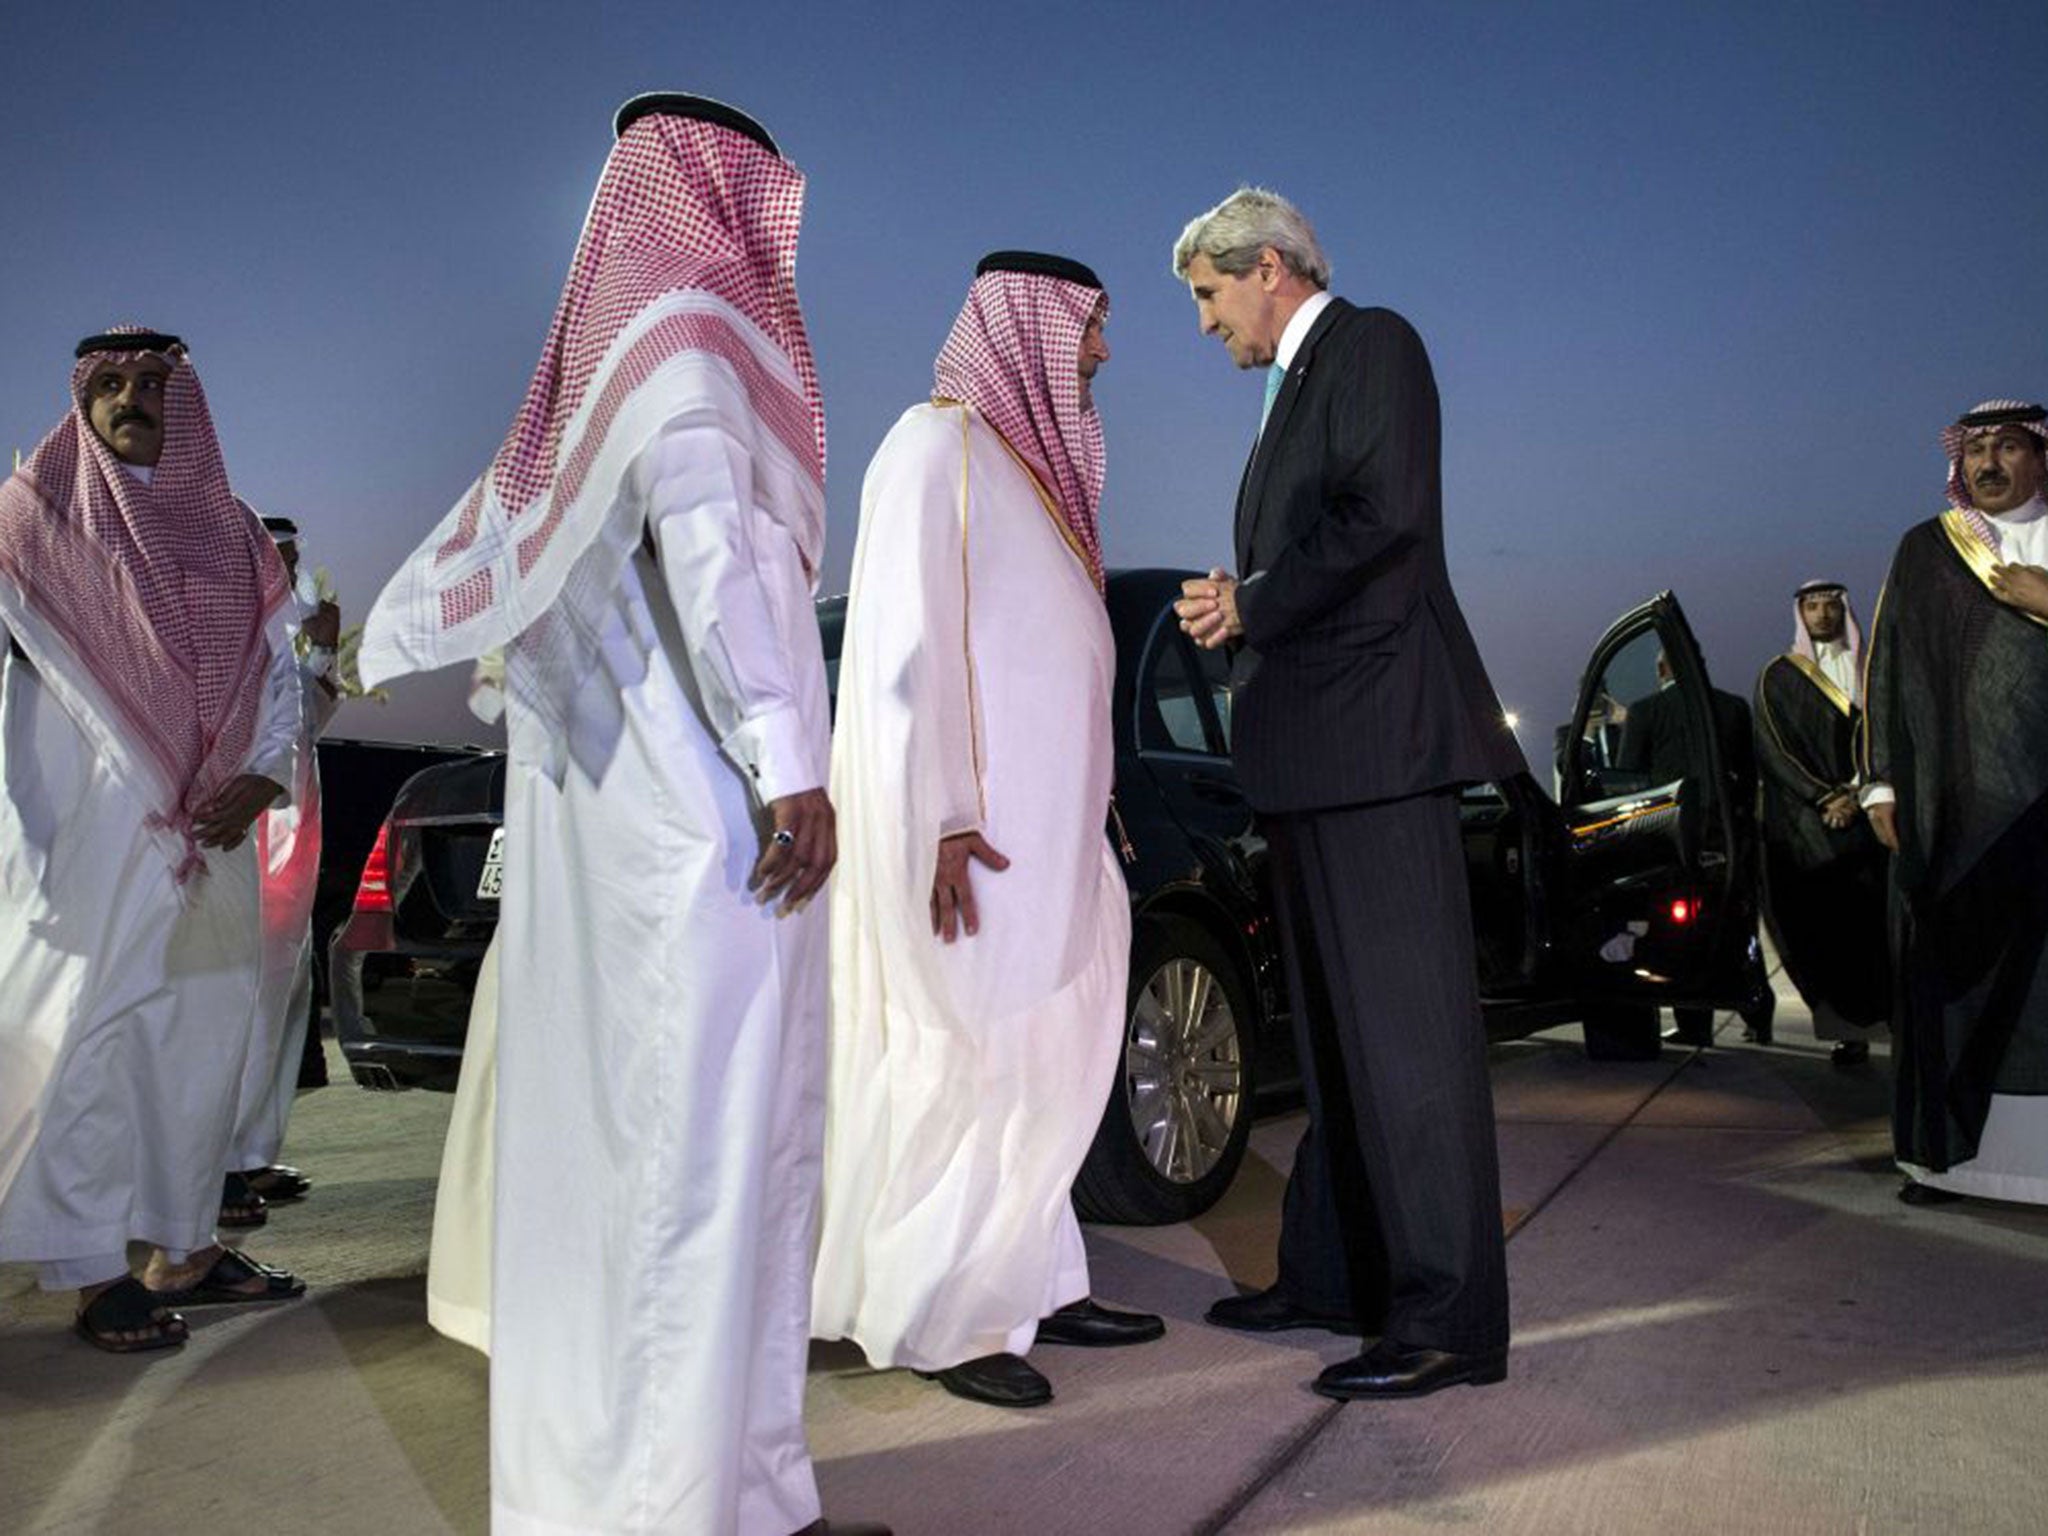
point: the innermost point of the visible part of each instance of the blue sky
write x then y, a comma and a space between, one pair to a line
1701, 283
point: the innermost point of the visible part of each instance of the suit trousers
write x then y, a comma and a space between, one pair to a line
1392, 1212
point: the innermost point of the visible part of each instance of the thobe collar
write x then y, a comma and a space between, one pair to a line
2022, 533
1296, 330
1838, 663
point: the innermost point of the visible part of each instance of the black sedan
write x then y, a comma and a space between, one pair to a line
1626, 896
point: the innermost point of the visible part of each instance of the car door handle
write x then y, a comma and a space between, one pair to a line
1218, 791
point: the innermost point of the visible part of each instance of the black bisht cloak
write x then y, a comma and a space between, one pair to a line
1957, 724
1824, 888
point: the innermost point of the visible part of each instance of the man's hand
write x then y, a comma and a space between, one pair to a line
794, 866
1208, 609
1839, 809
225, 819
953, 911
1884, 821
2024, 587
323, 627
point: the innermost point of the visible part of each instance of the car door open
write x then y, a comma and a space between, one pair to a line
1649, 814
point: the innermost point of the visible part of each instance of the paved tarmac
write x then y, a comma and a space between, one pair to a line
1724, 1322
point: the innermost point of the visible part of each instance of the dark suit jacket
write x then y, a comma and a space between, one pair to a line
1658, 741
1357, 679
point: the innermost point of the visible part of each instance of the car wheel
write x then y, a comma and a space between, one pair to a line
1623, 1032
1180, 1112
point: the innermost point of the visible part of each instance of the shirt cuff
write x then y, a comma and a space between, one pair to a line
1875, 794
1244, 612
958, 823
775, 751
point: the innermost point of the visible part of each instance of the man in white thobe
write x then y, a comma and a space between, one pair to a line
148, 714
644, 547
459, 1256
977, 1014
288, 864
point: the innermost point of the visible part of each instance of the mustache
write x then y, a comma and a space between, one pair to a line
134, 413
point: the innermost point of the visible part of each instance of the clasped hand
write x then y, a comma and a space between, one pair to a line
1839, 809
1208, 609
225, 819
795, 867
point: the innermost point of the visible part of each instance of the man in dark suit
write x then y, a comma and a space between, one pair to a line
1361, 705
1657, 739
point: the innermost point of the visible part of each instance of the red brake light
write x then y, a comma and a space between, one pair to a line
373, 894
1683, 911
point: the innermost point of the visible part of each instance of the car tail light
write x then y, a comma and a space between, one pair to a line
1684, 911
373, 893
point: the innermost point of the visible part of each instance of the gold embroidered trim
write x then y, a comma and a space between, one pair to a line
1978, 556
1829, 688
967, 615
1046, 499
1770, 720
1866, 724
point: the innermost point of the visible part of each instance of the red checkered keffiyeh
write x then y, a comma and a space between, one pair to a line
1014, 355
682, 294
150, 610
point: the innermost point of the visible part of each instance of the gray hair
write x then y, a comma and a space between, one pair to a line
1233, 233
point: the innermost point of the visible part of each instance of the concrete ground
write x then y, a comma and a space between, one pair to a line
1724, 1322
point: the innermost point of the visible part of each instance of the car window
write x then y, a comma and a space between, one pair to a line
1635, 733
1169, 716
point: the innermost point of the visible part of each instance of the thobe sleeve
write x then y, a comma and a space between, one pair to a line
914, 560
318, 696
1381, 461
274, 751
1879, 746
698, 485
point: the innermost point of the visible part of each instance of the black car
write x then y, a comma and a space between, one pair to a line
1624, 897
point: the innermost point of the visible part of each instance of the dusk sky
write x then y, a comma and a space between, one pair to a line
1701, 283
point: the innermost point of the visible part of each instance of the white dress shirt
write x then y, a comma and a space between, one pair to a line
1296, 330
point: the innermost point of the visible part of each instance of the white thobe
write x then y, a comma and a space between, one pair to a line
967, 1080
127, 1003
288, 864
459, 1258
1838, 665
660, 1043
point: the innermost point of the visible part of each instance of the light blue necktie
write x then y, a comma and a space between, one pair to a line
1275, 376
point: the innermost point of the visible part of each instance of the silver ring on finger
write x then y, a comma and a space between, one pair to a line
784, 839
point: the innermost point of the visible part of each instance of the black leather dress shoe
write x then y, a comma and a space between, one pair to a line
1850, 1053
1271, 1311
1395, 1370
1096, 1327
1002, 1381
1913, 1192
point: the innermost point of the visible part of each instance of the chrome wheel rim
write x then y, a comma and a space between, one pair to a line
1183, 1070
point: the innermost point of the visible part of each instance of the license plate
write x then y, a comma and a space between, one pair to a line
492, 881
